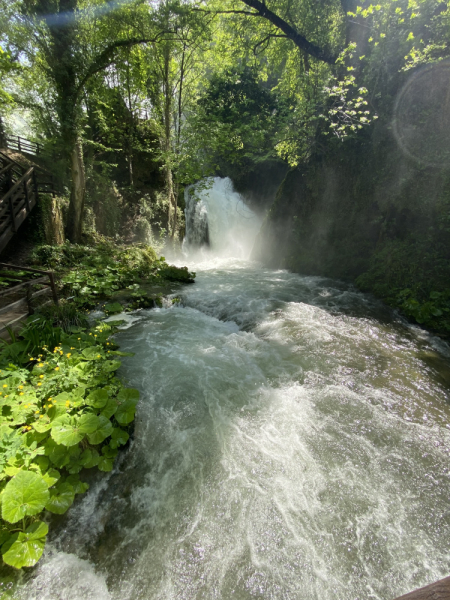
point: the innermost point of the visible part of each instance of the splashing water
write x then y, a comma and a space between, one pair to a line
291, 442
218, 218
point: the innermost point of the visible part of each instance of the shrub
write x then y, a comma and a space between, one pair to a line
67, 412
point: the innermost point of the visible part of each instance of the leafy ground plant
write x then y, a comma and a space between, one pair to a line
91, 274
64, 413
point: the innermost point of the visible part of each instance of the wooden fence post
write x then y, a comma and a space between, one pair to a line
29, 295
53, 286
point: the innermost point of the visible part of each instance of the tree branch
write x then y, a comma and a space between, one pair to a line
299, 40
106, 57
227, 12
267, 39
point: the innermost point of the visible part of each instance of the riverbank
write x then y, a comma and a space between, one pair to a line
63, 409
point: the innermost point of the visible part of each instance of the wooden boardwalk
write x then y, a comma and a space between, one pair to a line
19, 192
440, 590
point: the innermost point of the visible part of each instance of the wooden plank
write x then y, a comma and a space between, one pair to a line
19, 318
13, 305
19, 268
46, 290
17, 185
440, 590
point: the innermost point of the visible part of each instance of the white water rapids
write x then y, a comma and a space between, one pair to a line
291, 443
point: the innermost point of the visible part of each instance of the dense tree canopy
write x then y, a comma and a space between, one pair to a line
186, 86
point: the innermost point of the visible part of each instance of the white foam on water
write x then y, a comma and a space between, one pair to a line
218, 216
62, 576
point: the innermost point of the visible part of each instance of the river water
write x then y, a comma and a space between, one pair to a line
291, 443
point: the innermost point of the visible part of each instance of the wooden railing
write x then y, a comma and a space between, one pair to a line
18, 197
9, 311
22, 145
46, 275
19, 193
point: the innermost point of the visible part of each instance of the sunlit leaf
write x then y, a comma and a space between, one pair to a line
98, 398
61, 498
25, 495
25, 549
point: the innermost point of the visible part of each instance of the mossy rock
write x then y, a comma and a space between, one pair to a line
173, 273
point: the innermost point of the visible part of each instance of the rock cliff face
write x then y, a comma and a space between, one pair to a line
364, 211
334, 214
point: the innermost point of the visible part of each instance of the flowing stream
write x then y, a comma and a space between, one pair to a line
291, 443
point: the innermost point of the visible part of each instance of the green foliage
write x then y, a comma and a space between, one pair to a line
25, 495
177, 274
419, 265
433, 312
346, 112
97, 272
62, 414
113, 308
24, 549
239, 116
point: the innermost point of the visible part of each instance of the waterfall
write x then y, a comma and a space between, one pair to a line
217, 218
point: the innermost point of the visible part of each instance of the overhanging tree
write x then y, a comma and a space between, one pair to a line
70, 42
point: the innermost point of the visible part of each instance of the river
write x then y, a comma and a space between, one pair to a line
291, 443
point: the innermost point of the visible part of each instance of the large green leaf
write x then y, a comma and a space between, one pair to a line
51, 477
119, 437
105, 464
61, 498
127, 394
25, 549
25, 495
42, 425
61, 398
57, 453
125, 412
69, 431
110, 408
88, 423
89, 458
104, 430
79, 487
111, 365
113, 308
93, 352
98, 398
128, 398
58, 410
66, 431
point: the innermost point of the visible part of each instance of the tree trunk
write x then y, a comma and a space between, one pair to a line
77, 194
130, 125
178, 138
167, 144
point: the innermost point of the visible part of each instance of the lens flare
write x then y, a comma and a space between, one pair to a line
422, 116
